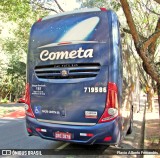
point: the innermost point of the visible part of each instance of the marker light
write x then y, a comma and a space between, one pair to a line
103, 9
39, 20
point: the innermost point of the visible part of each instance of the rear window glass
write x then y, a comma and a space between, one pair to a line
75, 27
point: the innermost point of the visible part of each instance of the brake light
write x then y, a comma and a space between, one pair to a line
64, 43
28, 108
111, 109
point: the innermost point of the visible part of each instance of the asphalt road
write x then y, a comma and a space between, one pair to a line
13, 135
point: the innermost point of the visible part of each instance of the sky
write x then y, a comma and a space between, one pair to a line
69, 5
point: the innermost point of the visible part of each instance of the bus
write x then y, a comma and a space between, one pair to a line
74, 89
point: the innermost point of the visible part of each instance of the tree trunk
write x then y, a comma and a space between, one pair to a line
10, 97
150, 98
158, 92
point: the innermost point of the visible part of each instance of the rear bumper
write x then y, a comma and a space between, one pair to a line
99, 131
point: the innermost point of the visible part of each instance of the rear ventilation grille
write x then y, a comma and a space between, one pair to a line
67, 71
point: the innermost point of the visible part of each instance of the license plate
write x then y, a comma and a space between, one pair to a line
62, 135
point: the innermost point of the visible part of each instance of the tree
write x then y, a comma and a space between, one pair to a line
17, 17
145, 48
142, 47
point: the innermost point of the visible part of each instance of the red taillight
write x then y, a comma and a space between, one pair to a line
111, 108
28, 108
103, 9
38, 129
90, 135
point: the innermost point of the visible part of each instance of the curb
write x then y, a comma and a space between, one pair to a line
141, 146
144, 127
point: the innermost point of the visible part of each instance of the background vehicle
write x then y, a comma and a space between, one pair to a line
74, 79
21, 100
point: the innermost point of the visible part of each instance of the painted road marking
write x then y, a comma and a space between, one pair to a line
63, 146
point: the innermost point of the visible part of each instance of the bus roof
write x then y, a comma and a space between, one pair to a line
73, 12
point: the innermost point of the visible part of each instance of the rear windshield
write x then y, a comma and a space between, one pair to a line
75, 27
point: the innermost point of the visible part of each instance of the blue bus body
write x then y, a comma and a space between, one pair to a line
74, 79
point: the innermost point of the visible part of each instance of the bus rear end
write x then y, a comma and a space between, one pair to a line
73, 80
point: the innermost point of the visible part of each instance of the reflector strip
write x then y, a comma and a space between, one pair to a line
29, 130
108, 138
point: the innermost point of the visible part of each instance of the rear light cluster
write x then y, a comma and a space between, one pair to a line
41, 130
111, 108
86, 134
28, 108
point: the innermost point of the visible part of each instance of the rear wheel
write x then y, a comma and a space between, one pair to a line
130, 129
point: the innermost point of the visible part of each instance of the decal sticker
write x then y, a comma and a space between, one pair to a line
80, 53
104, 84
37, 109
84, 29
95, 89
91, 114
55, 112
38, 90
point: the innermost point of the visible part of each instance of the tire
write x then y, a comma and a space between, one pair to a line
130, 129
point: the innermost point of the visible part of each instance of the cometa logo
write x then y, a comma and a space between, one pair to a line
80, 53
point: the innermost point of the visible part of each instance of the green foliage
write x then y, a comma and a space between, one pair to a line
109, 4
17, 68
19, 11
16, 17
5, 100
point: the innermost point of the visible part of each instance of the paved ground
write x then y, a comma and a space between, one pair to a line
14, 135
152, 129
